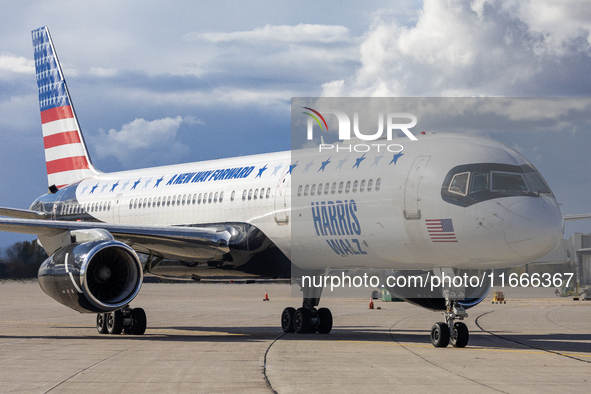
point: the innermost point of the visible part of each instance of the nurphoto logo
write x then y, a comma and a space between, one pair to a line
392, 121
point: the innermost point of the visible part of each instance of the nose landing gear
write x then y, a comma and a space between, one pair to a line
456, 333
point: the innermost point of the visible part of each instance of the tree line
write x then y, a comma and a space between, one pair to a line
21, 260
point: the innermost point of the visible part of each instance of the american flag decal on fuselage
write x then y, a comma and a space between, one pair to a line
441, 230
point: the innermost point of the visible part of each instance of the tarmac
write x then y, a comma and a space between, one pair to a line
221, 338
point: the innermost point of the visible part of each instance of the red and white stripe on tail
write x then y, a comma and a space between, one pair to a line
66, 155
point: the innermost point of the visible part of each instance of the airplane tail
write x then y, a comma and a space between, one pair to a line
66, 155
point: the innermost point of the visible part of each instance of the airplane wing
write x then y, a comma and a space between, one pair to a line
570, 218
178, 242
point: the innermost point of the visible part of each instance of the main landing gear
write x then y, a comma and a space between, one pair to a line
455, 332
127, 320
307, 319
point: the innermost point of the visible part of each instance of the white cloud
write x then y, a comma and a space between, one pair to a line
472, 48
279, 34
103, 72
15, 64
141, 138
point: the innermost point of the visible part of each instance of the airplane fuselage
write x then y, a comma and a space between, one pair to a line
445, 201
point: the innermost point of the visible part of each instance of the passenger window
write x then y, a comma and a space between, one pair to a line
256, 193
362, 186
341, 185
268, 192
459, 184
508, 182
378, 184
194, 198
250, 195
135, 203
178, 201
232, 195
306, 189
215, 197
244, 195
348, 187
184, 198
334, 188
299, 190
369, 185
355, 186
199, 199
159, 200
221, 196
479, 182
173, 200
149, 202
168, 201
313, 189
319, 188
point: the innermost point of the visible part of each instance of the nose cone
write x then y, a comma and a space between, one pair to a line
533, 226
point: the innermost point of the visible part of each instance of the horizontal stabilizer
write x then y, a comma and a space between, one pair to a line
570, 218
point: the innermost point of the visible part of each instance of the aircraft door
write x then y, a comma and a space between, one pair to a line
117, 208
282, 198
412, 188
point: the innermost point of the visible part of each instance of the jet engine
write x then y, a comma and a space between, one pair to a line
92, 277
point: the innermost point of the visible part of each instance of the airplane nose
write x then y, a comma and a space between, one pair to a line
533, 226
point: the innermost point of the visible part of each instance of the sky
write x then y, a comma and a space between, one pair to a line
156, 84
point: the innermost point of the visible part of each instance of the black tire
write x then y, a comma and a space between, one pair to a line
139, 321
101, 323
440, 335
460, 336
324, 321
287, 320
114, 322
302, 321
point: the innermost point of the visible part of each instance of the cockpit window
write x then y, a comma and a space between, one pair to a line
470, 184
536, 183
479, 182
459, 183
505, 182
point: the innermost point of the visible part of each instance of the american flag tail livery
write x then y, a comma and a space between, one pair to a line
66, 155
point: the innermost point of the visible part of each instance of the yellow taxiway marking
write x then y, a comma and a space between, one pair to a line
478, 348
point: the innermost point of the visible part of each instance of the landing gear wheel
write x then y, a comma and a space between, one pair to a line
324, 321
140, 321
101, 323
287, 319
460, 335
114, 322
302, 321
440, 335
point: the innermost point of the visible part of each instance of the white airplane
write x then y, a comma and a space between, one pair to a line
445, 202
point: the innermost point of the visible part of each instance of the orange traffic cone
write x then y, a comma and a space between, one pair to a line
266, 296
371, 303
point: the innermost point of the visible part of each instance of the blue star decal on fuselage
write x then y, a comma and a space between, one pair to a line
261, 170
113, 187
396, 157
308, 165
125, 185
324, 164
358, 161
294, 165
158, 181
341, 162
93, 189
84, 189
376, 160
136, 183
147, 183
104, 187
277, 169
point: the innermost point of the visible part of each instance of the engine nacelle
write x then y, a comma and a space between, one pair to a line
92, 277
